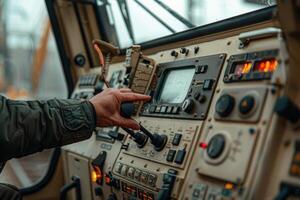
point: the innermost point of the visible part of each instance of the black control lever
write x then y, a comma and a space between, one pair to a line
159, 141
138, 137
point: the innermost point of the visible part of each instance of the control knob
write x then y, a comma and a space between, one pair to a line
188, 105
247, 104
174, 53
216, 146
225, 105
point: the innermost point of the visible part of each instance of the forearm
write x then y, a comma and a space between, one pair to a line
29, 127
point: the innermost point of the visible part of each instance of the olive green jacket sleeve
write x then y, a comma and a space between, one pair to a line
27, 127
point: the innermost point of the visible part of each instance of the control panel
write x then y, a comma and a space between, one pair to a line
184, 88
214, 128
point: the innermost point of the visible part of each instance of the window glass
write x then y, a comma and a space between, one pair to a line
30, 68
150, 19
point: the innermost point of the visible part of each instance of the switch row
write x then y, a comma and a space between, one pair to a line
164, 109
179, 158
88, 80
136, 174
83, 95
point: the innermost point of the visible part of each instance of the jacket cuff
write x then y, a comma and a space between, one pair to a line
93, 113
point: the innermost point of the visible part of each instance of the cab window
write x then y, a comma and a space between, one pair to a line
30, 68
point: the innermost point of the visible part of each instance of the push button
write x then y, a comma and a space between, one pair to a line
152, 109
180, 156
198, 69
169, 110
157, 109
130, 172
144, 177
137, 175
176, 139
175, 110
171, 155
208, 83
246, 104
163, 109
152, 180
124, 170
118, 167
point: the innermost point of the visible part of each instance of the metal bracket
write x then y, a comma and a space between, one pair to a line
247, 37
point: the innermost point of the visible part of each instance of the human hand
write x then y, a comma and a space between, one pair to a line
107, 106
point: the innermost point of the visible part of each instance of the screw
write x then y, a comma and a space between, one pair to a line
251, 131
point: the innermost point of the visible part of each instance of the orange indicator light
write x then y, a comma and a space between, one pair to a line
228, 186
269, 65
242, 68
96, 175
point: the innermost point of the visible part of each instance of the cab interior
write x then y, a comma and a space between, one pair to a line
223, 120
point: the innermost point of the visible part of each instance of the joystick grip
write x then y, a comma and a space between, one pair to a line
127, 109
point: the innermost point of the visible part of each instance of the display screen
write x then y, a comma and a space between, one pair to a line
242, 68
176, 84
268, 65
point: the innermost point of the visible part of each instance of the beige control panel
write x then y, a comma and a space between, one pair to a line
241, 148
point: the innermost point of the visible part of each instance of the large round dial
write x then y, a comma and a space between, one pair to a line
225, 105
216, 146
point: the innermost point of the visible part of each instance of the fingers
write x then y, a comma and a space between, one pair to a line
125, 90
128, 123
134, 97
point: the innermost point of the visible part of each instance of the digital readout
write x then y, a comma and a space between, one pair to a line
242, 68
269, 65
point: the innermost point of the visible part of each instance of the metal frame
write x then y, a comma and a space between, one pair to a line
65, 61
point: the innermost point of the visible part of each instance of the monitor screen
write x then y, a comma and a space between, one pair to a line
175, 85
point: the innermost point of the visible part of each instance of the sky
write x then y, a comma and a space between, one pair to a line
28, 16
